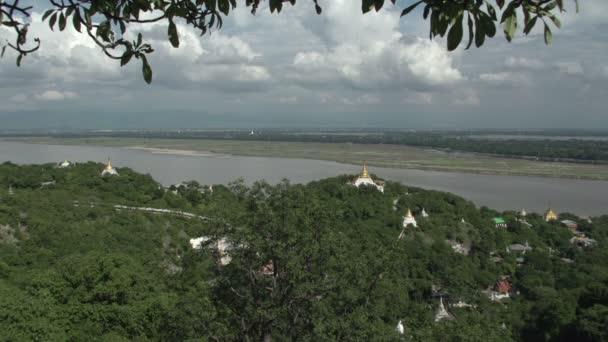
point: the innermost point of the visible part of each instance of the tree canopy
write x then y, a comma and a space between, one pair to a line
107, 21
314, 262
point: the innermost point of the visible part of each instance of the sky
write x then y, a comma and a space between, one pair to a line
297, 69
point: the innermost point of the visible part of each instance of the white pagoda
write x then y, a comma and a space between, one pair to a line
400, 328
365, 179
109, 170
442, 313
64, 164
409, 219
424, 213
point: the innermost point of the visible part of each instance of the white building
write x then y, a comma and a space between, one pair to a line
365, 179
221, 246
64, 164
459, 248
442, 313
109, 170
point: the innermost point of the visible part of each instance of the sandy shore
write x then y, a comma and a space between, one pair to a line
191, 153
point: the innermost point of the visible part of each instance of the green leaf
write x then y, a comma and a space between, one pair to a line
410, 8
510, 26
19, 58
275, 5
62, 22
378, 4
126, 57
52, 20
455, 34
139, 39
548, 35
210, 4
555, 21
173, 36
47, 14
480, 33
367, 5
146, 70
530, 25
76, 21
3, 51
471, 34
224, 6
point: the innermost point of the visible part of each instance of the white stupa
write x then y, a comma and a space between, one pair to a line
409, 219
109, 170
64, 164
365, 179
523, 213
424, 213
400, 328
442, 313
10, 190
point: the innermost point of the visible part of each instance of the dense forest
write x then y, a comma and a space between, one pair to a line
317, 262
579, 148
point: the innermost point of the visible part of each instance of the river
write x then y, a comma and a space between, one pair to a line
582, 197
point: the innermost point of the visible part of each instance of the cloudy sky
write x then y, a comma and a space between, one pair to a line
297, 69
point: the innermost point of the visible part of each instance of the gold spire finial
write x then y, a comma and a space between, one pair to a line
364, 172
409, 213
109, 165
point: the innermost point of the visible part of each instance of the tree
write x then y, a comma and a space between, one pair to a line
107, 21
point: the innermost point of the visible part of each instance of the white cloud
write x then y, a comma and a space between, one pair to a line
570, 68
369, 52
524, 63
54, 95
511, 78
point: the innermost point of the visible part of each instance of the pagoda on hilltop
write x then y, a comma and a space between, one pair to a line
109, 170
365, 179
550, 215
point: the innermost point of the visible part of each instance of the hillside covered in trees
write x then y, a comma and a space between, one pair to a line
87, 258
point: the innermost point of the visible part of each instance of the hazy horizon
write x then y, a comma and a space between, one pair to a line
298, 69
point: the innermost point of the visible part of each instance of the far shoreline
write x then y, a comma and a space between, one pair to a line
341, 153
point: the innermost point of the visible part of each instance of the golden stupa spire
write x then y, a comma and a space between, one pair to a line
409, 213
364, 172
109, 165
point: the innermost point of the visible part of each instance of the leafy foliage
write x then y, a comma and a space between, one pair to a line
314, 262
106, 21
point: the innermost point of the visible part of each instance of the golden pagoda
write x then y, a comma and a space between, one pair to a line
365, 179
550, 215
109, 169
409, 219
364, 172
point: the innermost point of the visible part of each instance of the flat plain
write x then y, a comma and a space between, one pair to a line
379, 155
